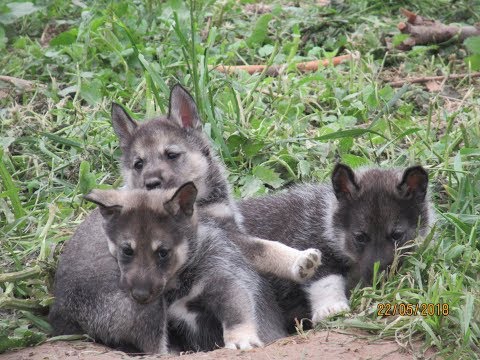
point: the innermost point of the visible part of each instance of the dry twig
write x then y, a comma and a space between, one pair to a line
424, 31
275, 70
425, 79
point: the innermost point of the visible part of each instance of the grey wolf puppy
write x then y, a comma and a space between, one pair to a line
108, 298
169, 151
163, 245
361, 218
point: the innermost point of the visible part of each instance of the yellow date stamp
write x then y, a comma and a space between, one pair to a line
429, 309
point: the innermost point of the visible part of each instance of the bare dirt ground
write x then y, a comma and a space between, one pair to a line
319, 345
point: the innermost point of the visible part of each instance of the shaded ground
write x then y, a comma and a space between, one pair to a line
321, 345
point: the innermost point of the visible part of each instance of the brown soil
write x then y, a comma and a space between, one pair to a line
319, 345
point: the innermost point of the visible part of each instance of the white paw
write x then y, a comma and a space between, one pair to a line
329, 309
240, 340
244, 344
306, 264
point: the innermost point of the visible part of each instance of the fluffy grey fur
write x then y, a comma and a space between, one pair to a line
89, 300
214, 298
357, 220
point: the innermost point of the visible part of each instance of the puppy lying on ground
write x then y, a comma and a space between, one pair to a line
361, 218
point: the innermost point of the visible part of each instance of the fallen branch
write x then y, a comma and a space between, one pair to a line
20, 275
22, 84
424, 31
425, 79
275, 70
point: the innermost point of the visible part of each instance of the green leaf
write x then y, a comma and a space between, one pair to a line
92, 91
22, 338
260, 31
86, 180
38, 322
18, 10
11, 189
474, 61
355, 161
252, 149
3, 38
266, 50
268, 176
62, 140
303, 167
473, 44
399, 38
346, 133
251, 186
6, 141
66, 38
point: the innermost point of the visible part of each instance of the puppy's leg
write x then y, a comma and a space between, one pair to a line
232, 300
117, 320
278, 259
327, 297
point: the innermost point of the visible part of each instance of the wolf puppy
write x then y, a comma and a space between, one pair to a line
360, 219
163, 246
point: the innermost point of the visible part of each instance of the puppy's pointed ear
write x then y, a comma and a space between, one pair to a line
182, 201
123, 125
414, 183
108, 201
182, 108
344, 183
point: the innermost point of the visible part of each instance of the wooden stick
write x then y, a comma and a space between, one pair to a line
275, 70
425, 79
425, 31
23, 84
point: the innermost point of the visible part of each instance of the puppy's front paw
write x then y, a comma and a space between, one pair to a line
328, 309
243, 337
306, 264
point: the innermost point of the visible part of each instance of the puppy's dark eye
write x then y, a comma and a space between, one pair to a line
397, 235
361, 238
163, 253
127, 250
172, 155
138, 164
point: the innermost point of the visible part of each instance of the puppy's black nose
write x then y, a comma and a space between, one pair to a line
153, 184
141, 295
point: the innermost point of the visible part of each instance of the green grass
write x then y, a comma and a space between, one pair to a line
56, 142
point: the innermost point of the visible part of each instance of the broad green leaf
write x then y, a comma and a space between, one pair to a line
266, 50
473, 44
399, 38
18, 10
91, 91
65, 38
303, 167
251, 186
268, 176
355, 161
260, 31
474, 61
251, 149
